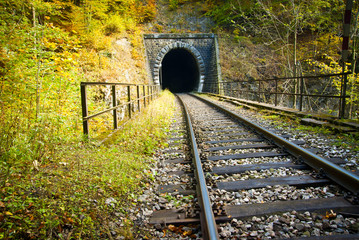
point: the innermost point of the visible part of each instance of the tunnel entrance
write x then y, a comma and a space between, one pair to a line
179, 71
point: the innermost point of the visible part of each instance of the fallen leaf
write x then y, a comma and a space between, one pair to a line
2, 204
70, 220
330, 214
8, 213
187, 233
173, 228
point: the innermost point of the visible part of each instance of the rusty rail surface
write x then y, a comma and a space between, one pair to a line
143, 93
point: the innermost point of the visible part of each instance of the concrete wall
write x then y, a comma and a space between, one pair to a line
203, 47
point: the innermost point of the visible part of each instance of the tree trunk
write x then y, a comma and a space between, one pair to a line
37, 80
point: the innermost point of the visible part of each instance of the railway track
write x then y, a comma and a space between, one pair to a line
238, 180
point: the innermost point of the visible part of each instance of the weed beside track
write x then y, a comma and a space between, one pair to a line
83, 192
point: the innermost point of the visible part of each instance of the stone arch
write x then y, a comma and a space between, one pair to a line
195, 53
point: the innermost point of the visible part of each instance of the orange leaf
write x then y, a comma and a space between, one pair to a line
330, 214
187, 233
173, 228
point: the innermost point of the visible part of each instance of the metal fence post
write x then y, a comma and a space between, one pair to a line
276, 92
144, 95
343, 95
114, 104
151, 93
84, 109
248, 89
138, 98
238, 90
259, 91
129, 101
301, 89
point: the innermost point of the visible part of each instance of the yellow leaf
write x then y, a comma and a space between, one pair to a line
172, 228
187, 233
8, 213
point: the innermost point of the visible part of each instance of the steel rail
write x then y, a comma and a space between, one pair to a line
207, 218
334, 172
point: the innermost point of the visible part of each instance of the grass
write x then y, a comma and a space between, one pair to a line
346, 141
272, 117
84, 190
318, 130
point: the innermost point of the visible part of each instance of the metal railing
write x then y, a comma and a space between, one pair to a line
123, 95
308, 93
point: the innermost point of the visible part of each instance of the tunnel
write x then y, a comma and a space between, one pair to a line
179, 72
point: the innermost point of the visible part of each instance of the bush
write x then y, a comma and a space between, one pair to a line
114, 24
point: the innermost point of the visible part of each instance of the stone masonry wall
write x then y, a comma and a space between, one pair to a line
201, 46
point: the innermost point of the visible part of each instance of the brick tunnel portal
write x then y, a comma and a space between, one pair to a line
179, 71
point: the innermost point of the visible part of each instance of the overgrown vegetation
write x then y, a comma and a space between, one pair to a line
48, 47
54, 185
286, 38
83, 189
342, 140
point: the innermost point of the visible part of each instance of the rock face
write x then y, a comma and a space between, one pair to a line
184, 17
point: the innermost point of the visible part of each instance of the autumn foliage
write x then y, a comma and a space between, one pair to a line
46, 49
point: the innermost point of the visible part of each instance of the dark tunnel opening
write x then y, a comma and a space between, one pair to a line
179, 71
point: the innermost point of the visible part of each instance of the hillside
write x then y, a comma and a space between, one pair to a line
55, 183
265, 39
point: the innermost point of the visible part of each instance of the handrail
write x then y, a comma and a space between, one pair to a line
263, 92
112, 84
148, 94
309, 76
284, 78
